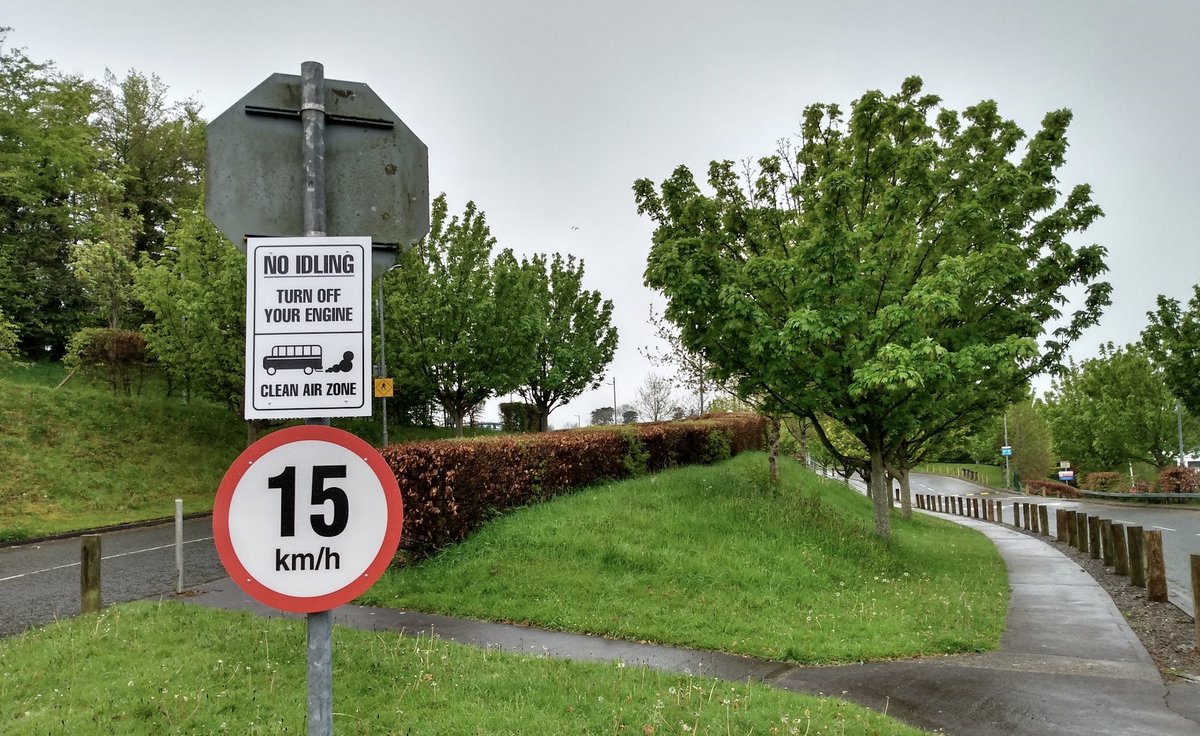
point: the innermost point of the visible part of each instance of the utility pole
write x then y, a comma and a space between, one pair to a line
1179, 428
1007, 468
614, 383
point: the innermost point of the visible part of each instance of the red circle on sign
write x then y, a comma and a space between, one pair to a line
263, 593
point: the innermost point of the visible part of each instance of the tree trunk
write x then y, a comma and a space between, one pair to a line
881, 497
905, 495
458, 423
773, 447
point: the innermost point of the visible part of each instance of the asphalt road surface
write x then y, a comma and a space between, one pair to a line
39, 583
1180, 526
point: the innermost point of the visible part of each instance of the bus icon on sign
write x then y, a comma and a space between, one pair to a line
305, 358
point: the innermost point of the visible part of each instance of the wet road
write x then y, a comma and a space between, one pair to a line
39, 583
1180, 526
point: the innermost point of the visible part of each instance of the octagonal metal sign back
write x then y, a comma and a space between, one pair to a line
376, 169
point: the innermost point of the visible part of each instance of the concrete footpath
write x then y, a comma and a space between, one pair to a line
1067, 664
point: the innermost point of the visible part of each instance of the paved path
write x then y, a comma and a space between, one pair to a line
1068, 663
1180, 525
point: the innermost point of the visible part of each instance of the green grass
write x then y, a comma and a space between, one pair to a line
713, 557
80, 457
170, 668
992, 475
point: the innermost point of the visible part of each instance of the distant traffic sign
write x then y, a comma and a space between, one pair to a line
307, 518
308, 328
1006, 451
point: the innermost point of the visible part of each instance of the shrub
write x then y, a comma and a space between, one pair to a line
451, 487
1108, 482
117, 355
1179, 479
1049, 488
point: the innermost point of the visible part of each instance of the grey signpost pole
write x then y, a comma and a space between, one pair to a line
320, 623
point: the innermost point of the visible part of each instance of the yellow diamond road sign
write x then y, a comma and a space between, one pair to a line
383, 388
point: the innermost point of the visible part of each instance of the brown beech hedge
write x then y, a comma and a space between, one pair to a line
450, 487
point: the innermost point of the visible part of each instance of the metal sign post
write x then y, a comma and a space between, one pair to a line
320, 623
368, 175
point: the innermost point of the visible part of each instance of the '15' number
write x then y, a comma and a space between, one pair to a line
286, 483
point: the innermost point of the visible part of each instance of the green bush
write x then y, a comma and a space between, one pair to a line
119, 356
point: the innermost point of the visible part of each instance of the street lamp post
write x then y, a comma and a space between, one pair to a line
614, 383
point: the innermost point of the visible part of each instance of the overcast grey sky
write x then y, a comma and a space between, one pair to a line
545, 111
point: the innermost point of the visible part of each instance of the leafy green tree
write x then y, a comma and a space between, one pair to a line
1029, 436
157, 151
893, 272
1113, 409
8, 341
1172, 339
104, 267
603, 415
447, 330
197, 295
51, 179
573, 339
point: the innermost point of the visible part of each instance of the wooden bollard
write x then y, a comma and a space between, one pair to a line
1137, 558
89, 573
1094, 537
1081, 531
1196, 594
1060, 524
999, 519
1025, 515
1106, 537
991, 510
1016, 515
1044, 520
961, 512
975, 507
1156, 569
1120, 552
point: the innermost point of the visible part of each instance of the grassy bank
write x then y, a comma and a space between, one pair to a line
79, 457
715, 558
150, 668
991, 475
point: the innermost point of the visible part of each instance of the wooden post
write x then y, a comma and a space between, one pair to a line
991, 510
89, 573
1106, 536
1025, 515
1016, 515
1156, 570
961, 512
975, 507
1120, 552
1094, 537
1081, 531
1044, 520
1060, 524
999, 513
1137, 559
1196, 594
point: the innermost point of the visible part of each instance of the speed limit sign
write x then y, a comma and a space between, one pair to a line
307, 518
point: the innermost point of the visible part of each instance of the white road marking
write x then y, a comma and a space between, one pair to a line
1165, 529
105, 557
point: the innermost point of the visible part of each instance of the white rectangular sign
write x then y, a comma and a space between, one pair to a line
308, 327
